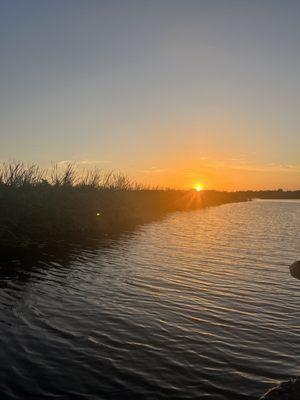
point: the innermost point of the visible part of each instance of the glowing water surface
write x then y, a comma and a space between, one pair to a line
200, 305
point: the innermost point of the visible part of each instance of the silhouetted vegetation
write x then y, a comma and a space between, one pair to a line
273, 194
40, 207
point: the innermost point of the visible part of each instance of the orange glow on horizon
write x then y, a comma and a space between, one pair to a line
198, 188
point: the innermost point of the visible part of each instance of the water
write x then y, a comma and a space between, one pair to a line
199, 305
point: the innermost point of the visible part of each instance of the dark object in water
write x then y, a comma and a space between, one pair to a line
289, 390
295, 271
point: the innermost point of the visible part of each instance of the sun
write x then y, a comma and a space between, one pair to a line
198, 188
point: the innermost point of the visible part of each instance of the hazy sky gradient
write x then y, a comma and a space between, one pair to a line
171, 92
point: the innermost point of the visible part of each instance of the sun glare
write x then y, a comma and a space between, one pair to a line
198, 188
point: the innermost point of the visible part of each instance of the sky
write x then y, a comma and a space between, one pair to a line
171, 92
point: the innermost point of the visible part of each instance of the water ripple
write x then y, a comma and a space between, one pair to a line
199, 305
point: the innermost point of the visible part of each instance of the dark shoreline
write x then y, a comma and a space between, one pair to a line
33, 219
39, 208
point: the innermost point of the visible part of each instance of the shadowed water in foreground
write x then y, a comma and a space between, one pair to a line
198, 305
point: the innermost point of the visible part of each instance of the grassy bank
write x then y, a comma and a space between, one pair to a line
38, 207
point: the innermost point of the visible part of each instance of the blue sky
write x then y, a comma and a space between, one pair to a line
169, 91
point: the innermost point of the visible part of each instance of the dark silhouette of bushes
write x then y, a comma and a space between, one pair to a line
38, 207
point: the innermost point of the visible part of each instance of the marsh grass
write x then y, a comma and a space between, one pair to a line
39, 206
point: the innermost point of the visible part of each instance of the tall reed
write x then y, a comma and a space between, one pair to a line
39, 206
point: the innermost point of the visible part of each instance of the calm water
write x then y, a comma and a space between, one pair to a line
197, 306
